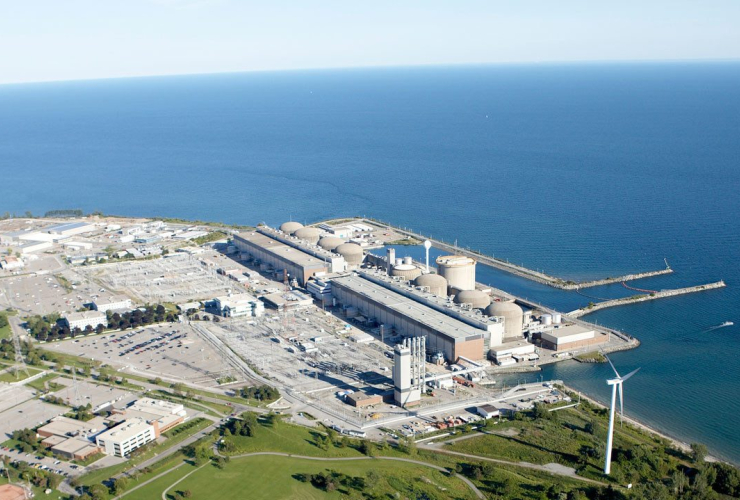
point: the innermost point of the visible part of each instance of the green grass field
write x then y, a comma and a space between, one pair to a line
273, 478
9, 376
5, 331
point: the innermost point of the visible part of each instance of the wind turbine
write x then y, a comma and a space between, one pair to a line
616, 383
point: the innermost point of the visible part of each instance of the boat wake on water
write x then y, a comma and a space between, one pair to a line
721, 325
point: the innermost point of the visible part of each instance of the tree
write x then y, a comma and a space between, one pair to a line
698, 453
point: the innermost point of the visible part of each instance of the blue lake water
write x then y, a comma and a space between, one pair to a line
582, 171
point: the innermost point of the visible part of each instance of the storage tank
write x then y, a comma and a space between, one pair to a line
310, 234
399, 262
290, 227
352, 253
458, 270
407, 272
556, 318
546, 319
330, 242
478, 299
513, 317
407, 261
436, 283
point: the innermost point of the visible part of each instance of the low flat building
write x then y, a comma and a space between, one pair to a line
488, 411
240, 304
361, 399
70, 228
84, 319
510, 350
11, 263
288, 300
75, 449
67, 427
34, 246
122, 439
571, 337
112, 303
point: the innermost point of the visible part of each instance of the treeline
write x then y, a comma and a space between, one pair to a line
261, 393
51, 327
63, 213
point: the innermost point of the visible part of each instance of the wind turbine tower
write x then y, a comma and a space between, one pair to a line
616, 384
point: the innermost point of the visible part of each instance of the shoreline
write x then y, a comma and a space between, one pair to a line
676, 442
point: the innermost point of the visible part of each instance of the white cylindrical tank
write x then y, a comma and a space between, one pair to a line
556, 318
407, 261
513, 317
437, 284
399, 262
546, 319
476, 298
407, 272
458, 270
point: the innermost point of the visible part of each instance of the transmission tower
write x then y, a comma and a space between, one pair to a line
19, 360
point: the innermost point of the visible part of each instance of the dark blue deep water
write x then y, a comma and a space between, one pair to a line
583, 171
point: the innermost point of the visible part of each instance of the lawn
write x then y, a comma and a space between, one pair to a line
274, 478
40, 383
287, 438
5, 331
9, 376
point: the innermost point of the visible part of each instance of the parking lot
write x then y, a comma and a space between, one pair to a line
43, 294
28, 414
171, 352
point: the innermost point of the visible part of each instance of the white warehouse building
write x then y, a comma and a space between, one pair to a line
84, 319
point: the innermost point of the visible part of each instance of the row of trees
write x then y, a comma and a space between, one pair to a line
261, 393
50, 327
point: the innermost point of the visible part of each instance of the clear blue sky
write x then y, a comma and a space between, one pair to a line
43, 40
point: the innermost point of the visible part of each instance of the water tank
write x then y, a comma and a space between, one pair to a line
436, 283
556, 318
352, 253
290, 227
399, 262
407, 272
513, 317
310, 234
478, 299
546, 319
330, 242
407, 261
458, 270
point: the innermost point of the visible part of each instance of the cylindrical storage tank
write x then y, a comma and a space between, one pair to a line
546, 319
352, 253
290, 227
399, 262
407, 272
478, 299
436, 283
310, 234
556, 318
407, 261
458, 270
330, 242
513, 317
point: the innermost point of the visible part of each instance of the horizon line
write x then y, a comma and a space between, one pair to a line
383, 66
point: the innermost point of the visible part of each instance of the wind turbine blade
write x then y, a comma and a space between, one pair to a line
630, 374
621, 404
612, 364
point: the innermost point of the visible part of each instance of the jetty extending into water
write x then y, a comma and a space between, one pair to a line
507, 266
642, 298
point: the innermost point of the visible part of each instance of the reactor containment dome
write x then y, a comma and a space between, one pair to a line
476, 298
330, 242
408, 272
437, 284
352, 253
290, 227
513, 317
310, 234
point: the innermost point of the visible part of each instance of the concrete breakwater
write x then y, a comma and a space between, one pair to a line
642, 298
507, 266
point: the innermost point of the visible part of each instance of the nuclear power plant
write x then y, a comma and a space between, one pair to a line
408, 371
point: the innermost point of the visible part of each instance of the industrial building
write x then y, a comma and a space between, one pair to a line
70, 229
84, 319
276, 250
571, 337
362, 400
162, 415
510, 353
409, 370
320, 289
236, 305
513, 318
122, 439
70, 438
292, 299
111, 303
382, 301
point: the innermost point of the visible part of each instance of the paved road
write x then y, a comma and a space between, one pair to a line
557, 469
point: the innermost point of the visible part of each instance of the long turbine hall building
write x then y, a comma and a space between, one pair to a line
300, 257
443, 333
